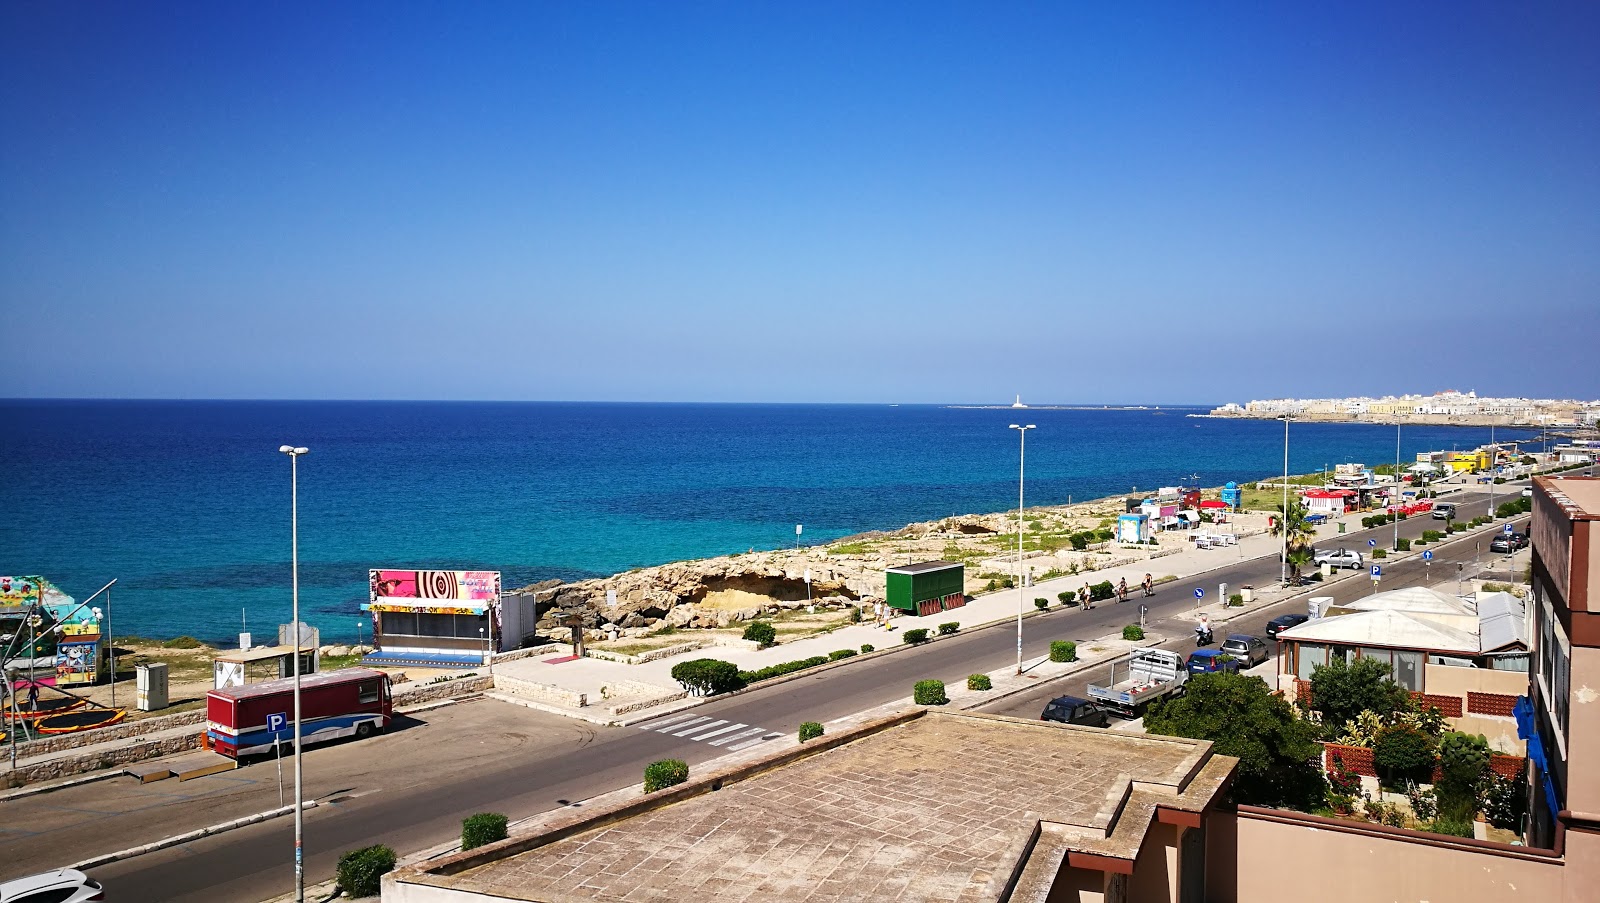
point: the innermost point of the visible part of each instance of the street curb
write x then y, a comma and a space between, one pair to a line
176, 839
30, 791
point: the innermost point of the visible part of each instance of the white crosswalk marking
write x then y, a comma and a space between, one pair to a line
673, 727
739, 736
721, 730
653, 725
695, 728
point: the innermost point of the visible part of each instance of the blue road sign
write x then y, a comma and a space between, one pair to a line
1508, 529
1372, 543
1377, 570
1428, 555
277, 721
1199, 594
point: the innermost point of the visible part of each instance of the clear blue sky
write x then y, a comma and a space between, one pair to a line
799, 201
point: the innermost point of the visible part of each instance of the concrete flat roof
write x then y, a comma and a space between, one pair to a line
942, 807
1580, 495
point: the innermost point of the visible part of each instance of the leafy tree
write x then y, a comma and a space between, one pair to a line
1463, 761
1300, 532
1342, 691
1277, 751
1402, 751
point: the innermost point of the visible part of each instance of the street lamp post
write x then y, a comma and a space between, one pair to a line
1284, 525
1397, 484
1022, 455
294, 453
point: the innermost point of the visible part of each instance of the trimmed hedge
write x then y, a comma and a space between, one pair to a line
1380, 553
665, 773
867, 647
837, 654
914, 637
482, 829
762, 633
1063, 651
1067, 598
929, 692
1102, 590
1133, 632
979, 682
782, 668
949, 627
810, 730
1041, 603
360, 872
1404, 545
707, 676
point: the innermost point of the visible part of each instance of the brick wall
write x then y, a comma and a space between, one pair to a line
1491, 704
1356, 759
1448, 706
1508, 766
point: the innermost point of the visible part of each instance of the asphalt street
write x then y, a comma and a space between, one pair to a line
411, 788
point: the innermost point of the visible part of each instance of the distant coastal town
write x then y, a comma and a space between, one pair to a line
1445, 408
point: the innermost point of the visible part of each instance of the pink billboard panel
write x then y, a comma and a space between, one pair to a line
469, 586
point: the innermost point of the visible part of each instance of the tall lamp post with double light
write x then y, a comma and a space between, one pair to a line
294, 453
1397, 495
1284, 526
1022, 457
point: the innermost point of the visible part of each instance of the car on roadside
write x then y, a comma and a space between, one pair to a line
1444, 511
1527, 492
59, 886
1075, 710
1340, 558
1284, 622
1251, 650
1509, 542
1211, 661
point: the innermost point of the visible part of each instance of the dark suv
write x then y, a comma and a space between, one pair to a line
1075, 710
1509, 542
1284, 622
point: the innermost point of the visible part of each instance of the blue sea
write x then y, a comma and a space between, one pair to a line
186, 503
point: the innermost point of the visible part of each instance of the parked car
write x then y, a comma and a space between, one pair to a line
59, 886
1527, 492
1444, 511
1211, 661
1075, 710
1340, 558
1509, 542
1284, 622
1252, 650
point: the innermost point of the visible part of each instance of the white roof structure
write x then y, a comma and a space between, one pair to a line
1416, 599
1391, 629
1502, 621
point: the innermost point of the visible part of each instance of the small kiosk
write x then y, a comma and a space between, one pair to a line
1134, 528
248, 666
437, 619
926, 587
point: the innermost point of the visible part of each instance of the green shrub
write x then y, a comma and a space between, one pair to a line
1453, 827
979, 682
184, 642
482, 829
867, 647
1080, 541
1063, 651
949, 627
1236, 600
1402, 751
778, 670
1503, 801
1432, 535
915, 637
1133, 632
810, 730
762, 633
837, 654
1380, 553
855, 614
707, 676
1402, 545
1102, 590
1067, 598
360, 871
929, 692
665, 773
1041, 603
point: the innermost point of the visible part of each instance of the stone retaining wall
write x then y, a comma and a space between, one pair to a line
123, 731
446, 689
650, 656
531, 651
67, 766
541, 692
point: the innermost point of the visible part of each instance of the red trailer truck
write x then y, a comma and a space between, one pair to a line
351, 702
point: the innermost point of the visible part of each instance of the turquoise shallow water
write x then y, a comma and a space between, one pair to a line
187, 503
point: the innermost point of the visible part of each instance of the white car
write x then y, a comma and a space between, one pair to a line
59, 886
1527, 492
1340, 558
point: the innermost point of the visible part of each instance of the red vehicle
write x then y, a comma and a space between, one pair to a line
247, 720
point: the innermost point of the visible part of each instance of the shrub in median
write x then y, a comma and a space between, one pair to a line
929, 692
915, 637
1067, 598
481, 829
1102, 590
1133, 632
780, 669
763, 633
1063, 651
1403, 545
1380, 553
867, 647
979, 682
1235, 600
949, 627
810, 730
665, 773
837, 654
361, 871
707, 676
1041, 603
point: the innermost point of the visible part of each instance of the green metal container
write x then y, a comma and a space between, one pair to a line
926, 587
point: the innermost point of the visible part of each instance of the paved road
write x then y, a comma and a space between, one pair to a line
411, 790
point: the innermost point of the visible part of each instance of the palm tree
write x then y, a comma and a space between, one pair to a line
1300, 536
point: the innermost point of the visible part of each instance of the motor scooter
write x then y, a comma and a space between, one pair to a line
1202, 636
